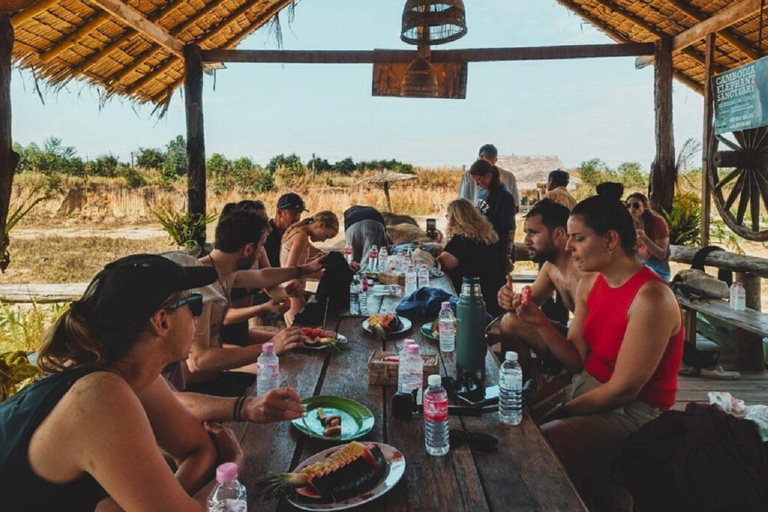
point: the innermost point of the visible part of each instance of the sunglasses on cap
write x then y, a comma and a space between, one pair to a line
634, 206
194, 301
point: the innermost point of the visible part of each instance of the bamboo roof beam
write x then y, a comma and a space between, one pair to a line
70, 39
716, 23
725, 33
31, 12
157, 72
136, 20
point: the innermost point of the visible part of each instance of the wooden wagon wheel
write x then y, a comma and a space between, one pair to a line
739, 179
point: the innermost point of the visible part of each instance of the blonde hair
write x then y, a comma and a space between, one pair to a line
465, 219
71, 342
325, 218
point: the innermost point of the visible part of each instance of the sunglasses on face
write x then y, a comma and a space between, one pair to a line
633, 206
194, 301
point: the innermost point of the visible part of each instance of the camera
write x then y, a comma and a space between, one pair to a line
432, 228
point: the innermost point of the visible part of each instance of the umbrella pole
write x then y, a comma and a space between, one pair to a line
386, 193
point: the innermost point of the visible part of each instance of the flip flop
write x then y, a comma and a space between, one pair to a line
719, 373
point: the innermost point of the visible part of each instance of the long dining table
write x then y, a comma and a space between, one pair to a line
523, 474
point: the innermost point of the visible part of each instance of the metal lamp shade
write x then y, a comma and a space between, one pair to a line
431, 22
420, 80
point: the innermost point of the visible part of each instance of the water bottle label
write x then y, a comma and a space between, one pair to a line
435, 411
446, 329
510, 381
235, 506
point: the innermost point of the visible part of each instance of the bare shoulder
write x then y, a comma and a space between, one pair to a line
654, 291
90, 393
585, 284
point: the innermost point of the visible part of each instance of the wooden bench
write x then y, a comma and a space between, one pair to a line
751, 326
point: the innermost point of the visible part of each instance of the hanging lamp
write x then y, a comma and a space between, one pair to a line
420, 80
432, 22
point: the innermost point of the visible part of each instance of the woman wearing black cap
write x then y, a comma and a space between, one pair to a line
91, 432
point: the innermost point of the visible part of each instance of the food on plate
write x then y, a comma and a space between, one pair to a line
332, 424
318, 338
383, 324
526, 294
352, 470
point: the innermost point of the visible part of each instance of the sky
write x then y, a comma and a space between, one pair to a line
574, 109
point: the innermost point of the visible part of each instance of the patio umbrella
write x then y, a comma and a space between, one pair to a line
384, 179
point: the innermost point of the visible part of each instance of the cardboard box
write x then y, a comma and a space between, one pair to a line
382, 368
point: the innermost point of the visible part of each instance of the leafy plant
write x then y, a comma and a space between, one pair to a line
22, 328
180, 226
684, 220
14, 217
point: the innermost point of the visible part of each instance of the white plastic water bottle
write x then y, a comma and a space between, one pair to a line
354, 295
411, 280
383, 259
363, 297
401, 265
510, 389
423, 277
410, 374
348, 253
738, 296
436, 417
373, 259
447, 326
229, 494
267, 370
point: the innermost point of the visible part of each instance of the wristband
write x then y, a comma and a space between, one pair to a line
561, 411
300, 272
238, 408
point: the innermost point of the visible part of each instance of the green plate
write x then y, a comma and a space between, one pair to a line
426, 331
356, 419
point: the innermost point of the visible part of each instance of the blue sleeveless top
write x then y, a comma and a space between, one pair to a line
21, 490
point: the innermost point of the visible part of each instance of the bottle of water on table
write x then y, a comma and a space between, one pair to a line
510, 389
410, 376
423, 277
383, 257
447, 328
348, 253
363, 298
229, 494
268, 370
355, 287
436, 417
410, 280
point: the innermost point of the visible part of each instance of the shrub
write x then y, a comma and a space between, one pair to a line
150, 158
180, 226
132, 176
175, 163
684, 220
218, 165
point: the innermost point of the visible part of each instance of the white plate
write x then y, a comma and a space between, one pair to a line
395, 470
342, 340
406, 325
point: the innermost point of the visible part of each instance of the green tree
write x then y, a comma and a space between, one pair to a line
105, 165
318, 164
592, 171
291, 162
175, 163
150, 158
346, 166
218, 165
631, 175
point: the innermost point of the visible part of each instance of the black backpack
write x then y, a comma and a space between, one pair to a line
333, 290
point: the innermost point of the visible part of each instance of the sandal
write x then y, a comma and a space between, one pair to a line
720, 374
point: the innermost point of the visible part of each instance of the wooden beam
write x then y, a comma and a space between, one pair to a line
719, 21
169, 62
707, 139
662, 182
136, 20
725, 33
193, 102
70, 39
9, 159
31, 12
721, 259
404, 56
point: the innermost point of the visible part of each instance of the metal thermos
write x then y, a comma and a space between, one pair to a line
470, 336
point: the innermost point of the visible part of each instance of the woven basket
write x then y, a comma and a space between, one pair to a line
389, 278
381, 373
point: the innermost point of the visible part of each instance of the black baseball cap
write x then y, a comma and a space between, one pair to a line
291, 201
132, 288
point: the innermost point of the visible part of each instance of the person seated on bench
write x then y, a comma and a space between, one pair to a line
239, 239
545, 228
624, 346
472, 251
94, 430
297, 249
652, 235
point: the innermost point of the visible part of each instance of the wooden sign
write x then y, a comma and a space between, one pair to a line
741, 97
451, 79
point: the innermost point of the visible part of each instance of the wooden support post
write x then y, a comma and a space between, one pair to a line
749, 346
193, 100
389, 201
707, 139
751, 284
9, 159
662, 189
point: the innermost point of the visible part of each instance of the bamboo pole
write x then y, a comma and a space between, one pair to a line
193, 101
662, 189
706, 164
9, 159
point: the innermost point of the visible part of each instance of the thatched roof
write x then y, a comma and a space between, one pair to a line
532, 170
644, 21
66, 39
385, 177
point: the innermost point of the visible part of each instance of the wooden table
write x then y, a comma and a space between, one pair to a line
524, 474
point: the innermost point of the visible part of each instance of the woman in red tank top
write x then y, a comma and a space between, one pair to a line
624, 346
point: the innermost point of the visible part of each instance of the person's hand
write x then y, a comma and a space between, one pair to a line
278, 306
282, 404
531, 313
355, 266
315, 264
288, 339
508, 299
294, 289
227, 447
641, 235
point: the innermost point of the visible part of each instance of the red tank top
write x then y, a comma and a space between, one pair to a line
604, 330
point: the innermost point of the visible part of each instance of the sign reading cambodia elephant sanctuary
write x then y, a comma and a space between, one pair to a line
741, 97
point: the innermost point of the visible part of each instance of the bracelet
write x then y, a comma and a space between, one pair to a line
561, 411
238, 408
300, 272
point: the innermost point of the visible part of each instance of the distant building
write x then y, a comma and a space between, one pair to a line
531, 173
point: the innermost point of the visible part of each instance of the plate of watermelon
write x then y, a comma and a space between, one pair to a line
338, 478
319, 339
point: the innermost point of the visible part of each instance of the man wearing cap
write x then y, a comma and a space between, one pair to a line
289, 209
556, 191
